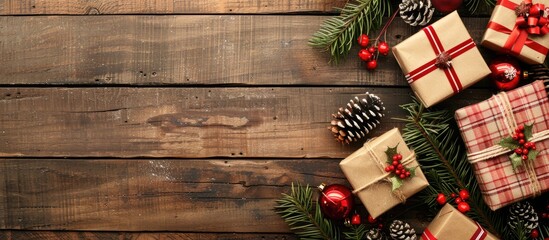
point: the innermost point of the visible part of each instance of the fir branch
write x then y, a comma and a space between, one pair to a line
442, 155
305, 220
356, 232
337, 34
474, 5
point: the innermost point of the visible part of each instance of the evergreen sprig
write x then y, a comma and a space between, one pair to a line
337, 34
305, 219
442, 156
474, 5
356, 232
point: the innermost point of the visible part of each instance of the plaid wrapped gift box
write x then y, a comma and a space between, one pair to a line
485, 124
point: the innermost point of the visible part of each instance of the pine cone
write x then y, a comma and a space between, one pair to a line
523, 212
356, 120
416, 12
400, 230
375, 234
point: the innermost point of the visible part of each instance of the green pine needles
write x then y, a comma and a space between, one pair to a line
337, 34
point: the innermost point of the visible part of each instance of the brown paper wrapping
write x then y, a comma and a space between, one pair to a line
495, 40
361, 170
416, 51
450, 224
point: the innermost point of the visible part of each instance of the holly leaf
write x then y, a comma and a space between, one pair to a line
396, 182
516, 161
528, 131
509, 143
532, 154
390, 153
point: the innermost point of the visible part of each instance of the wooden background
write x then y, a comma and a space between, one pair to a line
174, 119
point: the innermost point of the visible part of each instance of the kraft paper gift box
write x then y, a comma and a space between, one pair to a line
440, 60
485, 124
450, 224
365, 171
521, 36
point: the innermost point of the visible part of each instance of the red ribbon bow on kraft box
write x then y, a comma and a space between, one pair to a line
519, 28
443, 57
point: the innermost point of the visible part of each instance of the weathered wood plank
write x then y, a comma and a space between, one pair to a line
51, 7
185, 122
156, 195
183, 50
65, 235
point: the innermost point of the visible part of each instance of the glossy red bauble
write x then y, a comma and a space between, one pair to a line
371, 65
441, 199
464, 207
335, 201
364, 55
506, 73
355, 220
446, 6
464, 194
383, 48
363, 40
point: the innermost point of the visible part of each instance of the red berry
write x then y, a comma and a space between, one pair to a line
371, 65
464, 207
392, 167
383, 48
524, 157
521, 135
528, 145
364, 55
380, 226
521, 141
387, 169
521, 128
464, 194
363, 40
397, 172
408, 174
534, 233
544, 215
518, 151
400, 166
371, 219
395, 157
515, 137
458, 200
395, 162
355, 220
372, 50
533, 147
452, 195
399, 156
441, 199
525, 151
402, 176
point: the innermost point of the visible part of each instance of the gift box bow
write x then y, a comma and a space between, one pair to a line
531, 21
479, 234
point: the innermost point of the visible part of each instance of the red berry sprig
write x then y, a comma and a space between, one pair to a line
460, 199
397, 168
523, 149
526, 146
378, 47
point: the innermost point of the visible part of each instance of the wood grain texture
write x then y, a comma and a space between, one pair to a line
205, 195
184, 50
75, 7
185, 122
67, 235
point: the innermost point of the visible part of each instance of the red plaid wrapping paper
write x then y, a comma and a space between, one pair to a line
483, 125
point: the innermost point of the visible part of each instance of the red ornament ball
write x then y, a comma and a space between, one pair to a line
371, 65
364, 55
464, 207
383, 48
441, 198
355, 220
363, 40
506, 73
464, 194
335, 201
446, 6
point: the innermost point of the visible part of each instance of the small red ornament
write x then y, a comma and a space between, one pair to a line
452, 195
371, 219
364, 55
371, 65
464, 194
355, 220
335, 201
446, 6
506, 73
458, 200
441, 198
534, 233
372, 50
363, 40
383, 48
464, 207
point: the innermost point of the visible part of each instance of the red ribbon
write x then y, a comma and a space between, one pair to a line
531, 22
479, 234
437, 47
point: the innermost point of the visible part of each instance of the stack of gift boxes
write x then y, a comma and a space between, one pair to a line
443, 56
